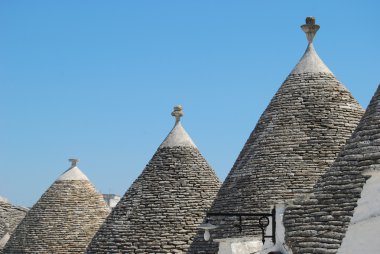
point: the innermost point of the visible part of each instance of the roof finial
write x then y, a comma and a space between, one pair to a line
310, 28
74, 162
177, 113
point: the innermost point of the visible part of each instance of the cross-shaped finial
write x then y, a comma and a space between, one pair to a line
74, 162
310, 28
177, 113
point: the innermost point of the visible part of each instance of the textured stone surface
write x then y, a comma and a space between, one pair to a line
318, 224
63, 220
161, 211
10, 217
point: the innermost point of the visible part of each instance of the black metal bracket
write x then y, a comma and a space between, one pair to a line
263, 222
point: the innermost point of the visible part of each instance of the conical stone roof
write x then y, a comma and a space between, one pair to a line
161, 211
295, 140
10, 217
343, 195
63, 220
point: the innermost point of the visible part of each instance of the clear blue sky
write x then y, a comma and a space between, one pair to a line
98, 80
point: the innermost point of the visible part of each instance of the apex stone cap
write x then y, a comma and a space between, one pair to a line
310, 61
73, 173
178, 135
310, 28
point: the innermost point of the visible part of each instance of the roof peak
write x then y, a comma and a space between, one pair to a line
178, 135
73, 173
310, 61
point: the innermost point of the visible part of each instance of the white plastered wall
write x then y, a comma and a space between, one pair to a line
363, 233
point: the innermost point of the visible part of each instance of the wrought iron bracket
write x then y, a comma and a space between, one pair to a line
263, 221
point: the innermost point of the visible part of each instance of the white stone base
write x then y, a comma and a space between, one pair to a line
244, 245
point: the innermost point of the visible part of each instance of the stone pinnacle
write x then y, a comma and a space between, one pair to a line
310, 28
74, 162
177, 113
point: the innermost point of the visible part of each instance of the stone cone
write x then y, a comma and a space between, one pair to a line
295, 141
64, 219
161, 211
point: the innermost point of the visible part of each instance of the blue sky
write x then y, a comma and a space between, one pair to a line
98, 80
